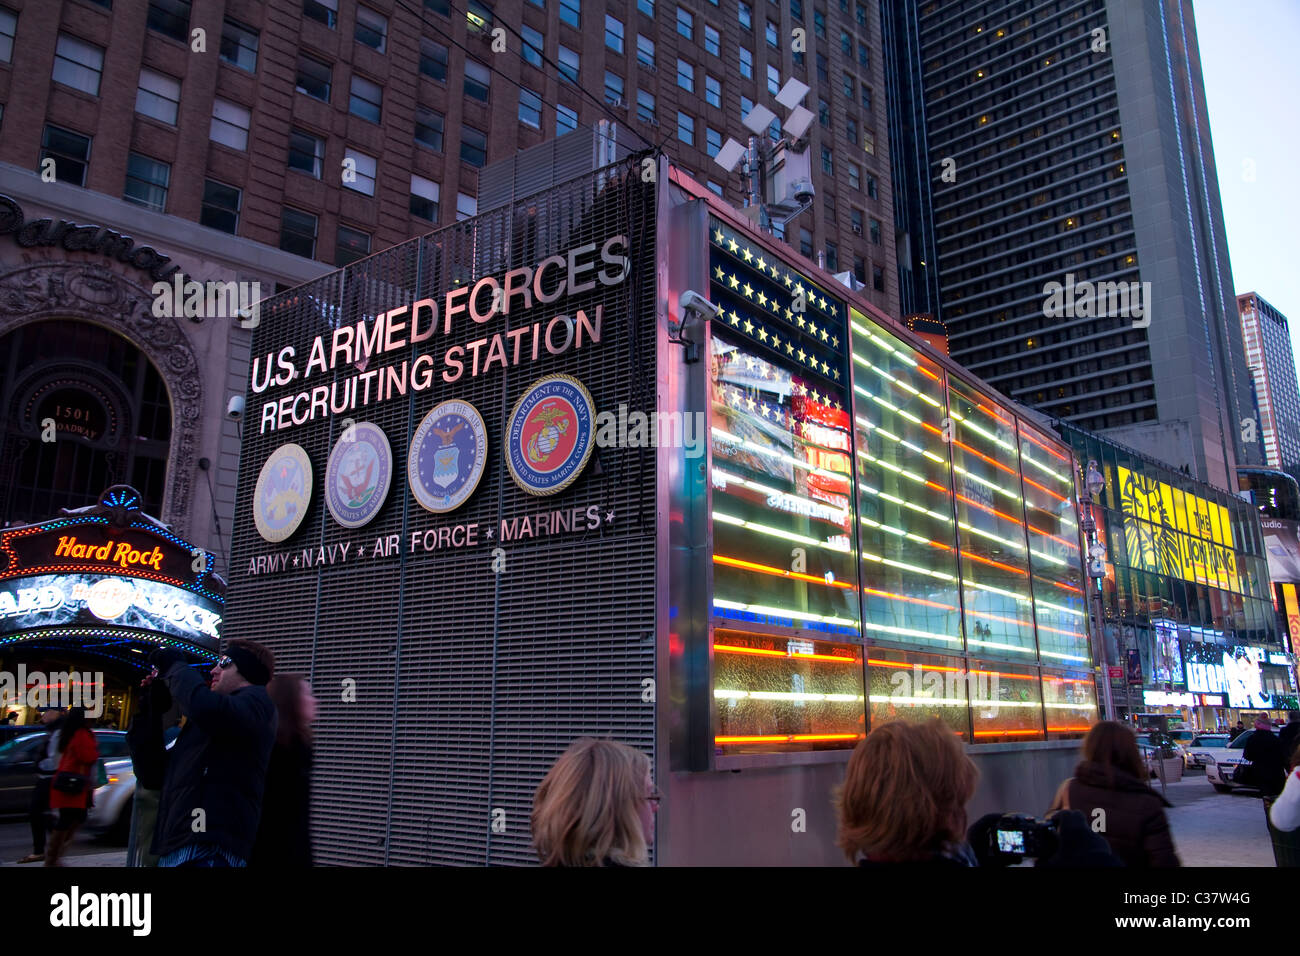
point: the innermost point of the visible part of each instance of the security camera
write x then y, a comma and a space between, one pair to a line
235, 407
803, 191
692, 301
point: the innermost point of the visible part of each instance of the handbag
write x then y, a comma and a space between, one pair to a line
73, 784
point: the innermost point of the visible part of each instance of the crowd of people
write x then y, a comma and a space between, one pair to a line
231, 790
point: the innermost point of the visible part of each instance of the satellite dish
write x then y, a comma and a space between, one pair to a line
759, 119
730, 154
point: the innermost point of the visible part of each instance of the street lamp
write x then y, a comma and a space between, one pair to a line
1093, 485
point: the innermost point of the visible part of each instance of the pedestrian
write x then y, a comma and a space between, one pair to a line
1266, 765
1110, 784
71, 787
216, 769
284, 833
595, 807
1239, 729
1289, 735
904, 797
1284, 814
145, 738
39, 814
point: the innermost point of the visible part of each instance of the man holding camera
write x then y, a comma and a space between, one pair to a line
216, 771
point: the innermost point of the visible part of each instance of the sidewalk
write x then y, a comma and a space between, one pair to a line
117, 858
1217, 829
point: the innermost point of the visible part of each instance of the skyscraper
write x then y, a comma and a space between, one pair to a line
1067, 228
1272, 366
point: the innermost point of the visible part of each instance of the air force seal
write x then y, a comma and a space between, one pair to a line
358, 474
283, 493
447, 457
549, 435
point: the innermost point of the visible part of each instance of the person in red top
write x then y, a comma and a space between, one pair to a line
71, 787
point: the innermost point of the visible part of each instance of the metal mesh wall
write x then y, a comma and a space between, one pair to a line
469, 683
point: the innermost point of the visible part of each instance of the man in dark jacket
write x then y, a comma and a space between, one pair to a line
1289, 736
216, 771
1267, 770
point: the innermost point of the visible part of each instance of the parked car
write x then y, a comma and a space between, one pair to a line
1224, 762
1203, 746
9, 731
111, 814
18, 759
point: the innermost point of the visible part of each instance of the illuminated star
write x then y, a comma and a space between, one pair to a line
749, 326
749, 400
719, 273
762, 334
762, 297
816, 397
750, 363
787, 280
762, 266
776, 342
802, 323
835, 341
749, 291
749, 256
812, 327
735, 318
789, 316
823, 335
798, 290
823, 304
609, 517
837, 374
825, 368
775, 273
802, 355
719, 236
776, 306
735, 283
789, 349
488, 534
798, 389
765, 411
732, 245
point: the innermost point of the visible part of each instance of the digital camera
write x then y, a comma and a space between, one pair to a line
1018, 835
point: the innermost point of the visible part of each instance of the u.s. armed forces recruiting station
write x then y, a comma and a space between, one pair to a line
488, 301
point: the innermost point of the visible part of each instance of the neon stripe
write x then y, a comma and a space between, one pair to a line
779, 572
765, 652
785, 739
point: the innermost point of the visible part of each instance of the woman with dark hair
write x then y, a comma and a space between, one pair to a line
1110, 788
284, 834
71, 787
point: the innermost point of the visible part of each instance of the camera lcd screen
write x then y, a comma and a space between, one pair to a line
1011, 841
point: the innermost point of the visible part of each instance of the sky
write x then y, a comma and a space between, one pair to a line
1250, 58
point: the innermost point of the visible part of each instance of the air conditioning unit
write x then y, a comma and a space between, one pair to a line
857, 230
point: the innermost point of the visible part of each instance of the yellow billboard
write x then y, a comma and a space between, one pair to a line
1158, 542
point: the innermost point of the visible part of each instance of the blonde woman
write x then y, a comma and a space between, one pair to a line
595, 807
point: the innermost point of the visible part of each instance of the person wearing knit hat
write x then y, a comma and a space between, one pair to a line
216, 770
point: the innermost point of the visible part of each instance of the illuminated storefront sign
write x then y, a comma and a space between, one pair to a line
1233, 671
1172, 532
1211, 700
1292, 604
1160, 698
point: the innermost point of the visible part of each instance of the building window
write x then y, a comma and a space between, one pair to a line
645, 107
78, 64
424, 198
685, 24
220, 209
866, 97
371, 29
571, 12
869, 142
146, 182
871, 187
568, 63
875, 232
849, 84
746, 64
359, 171
773, 80
855, 176
466, 206
686, 128
828, 202
70, 152
855, 220
828, 165
533, 45
478, 18
862, 55
796, 14
770, 32
712, 91
366, 99
614, 33
819, 23
158, 96
239, 45
712, 140
428, 128
230, 123
613, 89
746, 14
8, 27
832, 257
846, 43
478, 80
530, 108
473, 145
440, 7
171, 18
433, 60
862, 15
298, 232
851, 130
685, 75
805, 243
314, 77
306, 153
645, 51
566, 120
823, 72
647, 7
712, 41
878, 278
322, 11
824, 113
860, 269
350, 245
714, 188
746, 104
